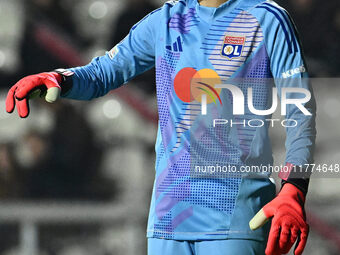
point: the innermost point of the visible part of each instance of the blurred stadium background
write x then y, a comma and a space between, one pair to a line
76, 177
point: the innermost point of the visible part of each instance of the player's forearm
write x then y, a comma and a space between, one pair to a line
300, 141
93, 80
300, 144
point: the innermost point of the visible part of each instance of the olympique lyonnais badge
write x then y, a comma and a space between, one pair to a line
233, 46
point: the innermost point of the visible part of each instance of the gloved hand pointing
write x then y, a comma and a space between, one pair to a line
44, 84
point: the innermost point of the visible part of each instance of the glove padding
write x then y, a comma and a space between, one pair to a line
288, 223
43, 84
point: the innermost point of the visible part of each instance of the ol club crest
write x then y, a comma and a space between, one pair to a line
233, 46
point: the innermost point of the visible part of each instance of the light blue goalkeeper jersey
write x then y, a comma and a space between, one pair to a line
250, 40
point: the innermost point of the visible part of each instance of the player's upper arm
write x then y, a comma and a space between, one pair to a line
289, 72
134, 55
136, 52
282, 41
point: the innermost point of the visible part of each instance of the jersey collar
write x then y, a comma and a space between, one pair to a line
210, 13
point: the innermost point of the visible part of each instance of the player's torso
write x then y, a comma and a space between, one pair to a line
198, 48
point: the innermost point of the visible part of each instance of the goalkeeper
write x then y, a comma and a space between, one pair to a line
213, 41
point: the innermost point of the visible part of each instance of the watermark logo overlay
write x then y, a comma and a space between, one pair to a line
198, 86
226, 121
256, 97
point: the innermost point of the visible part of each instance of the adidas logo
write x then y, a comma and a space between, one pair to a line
176, 46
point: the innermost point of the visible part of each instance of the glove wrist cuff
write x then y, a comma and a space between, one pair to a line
291, 190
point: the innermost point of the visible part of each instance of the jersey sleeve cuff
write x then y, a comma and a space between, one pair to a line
67, 81
295, 175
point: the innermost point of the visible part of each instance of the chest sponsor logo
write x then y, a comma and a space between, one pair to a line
233, 46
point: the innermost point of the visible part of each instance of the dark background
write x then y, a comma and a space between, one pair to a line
76, 177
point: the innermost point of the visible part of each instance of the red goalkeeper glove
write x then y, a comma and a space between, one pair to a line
288, 223
30, 87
